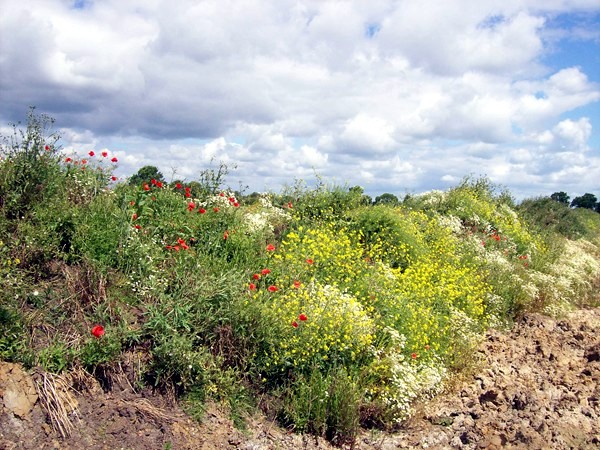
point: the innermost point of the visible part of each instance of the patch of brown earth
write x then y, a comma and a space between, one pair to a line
538, 388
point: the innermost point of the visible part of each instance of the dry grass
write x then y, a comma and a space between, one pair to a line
56, 397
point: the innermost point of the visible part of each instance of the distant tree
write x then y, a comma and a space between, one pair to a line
560, 197
386, 199
587, 200
360, 192
145, 175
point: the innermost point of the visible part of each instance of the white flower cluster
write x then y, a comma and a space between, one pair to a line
409, 379
266, 218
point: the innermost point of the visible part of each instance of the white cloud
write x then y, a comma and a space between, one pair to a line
394, 94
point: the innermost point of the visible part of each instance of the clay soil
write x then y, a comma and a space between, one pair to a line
536, 387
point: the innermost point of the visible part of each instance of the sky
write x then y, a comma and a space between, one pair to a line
398, 96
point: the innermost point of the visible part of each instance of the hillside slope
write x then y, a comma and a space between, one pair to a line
538, 387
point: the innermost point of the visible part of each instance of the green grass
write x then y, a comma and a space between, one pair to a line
334, 313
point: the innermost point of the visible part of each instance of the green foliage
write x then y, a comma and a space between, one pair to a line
587, 201
325, 404
386, 199
145, 175
29, 169
560, 197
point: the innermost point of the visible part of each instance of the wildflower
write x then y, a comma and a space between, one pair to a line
98, 331
236, 205
413, 355
84, 161
252, 286
46, 147
309, 261
68, 159
289, 205
231, 199
225, 234
91, 153
178, 186
146, 187
131, 203
295, 324
104, 154
114, 159
113, 178
265, 271
134, 216
168, 247
201, 210
272, 288
297, 284
270, 248
427, 347
303, 317
176, 248
191, 206
188, 195
256, 276
153, 181
138, 227
222, 194
215, 209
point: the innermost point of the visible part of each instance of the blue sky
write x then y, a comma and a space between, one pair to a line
399, 96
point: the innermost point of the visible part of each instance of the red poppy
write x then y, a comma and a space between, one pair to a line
270, 248
68, 159
138, 227
46, 147
265, 271
215, 209
146, 187
303, 317
295, 324
297, 284
180, 241
153, 181
168, 247
225, 234
84, 161
413, 355
309, 261
236, 204
188, 195
178, 186
104, 154
91, 153
113, 178
176, 248
427, 347
201, 210
98, 331
252, 286
131, 203
191, 206
222, 194
231, 199
185, 246
134, 216
114, 159
256, 276
272, 288
289, 205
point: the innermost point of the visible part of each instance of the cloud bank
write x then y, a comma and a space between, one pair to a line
395, 96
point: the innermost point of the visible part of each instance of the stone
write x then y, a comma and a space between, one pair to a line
17, 390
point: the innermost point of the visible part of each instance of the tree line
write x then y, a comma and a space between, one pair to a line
587, 200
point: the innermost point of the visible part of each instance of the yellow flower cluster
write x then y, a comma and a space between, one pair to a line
318, 326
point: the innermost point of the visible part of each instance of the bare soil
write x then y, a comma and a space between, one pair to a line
537, 387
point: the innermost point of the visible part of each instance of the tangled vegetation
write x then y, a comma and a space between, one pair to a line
337, 312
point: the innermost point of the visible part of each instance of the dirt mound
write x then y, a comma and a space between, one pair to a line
538, 388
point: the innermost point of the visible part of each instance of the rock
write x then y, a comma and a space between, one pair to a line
17, 389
